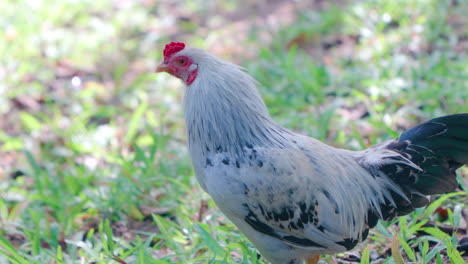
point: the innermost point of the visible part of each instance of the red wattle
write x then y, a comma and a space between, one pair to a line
191, 76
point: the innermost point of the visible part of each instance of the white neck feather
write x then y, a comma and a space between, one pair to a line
224, 111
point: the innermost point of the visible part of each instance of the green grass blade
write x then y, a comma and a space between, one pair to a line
365, 257
396, 254
208, 239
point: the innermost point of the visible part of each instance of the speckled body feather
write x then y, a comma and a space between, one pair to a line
291, 195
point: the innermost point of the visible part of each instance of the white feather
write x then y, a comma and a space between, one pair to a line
225, 113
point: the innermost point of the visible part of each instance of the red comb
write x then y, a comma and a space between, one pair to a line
172, 48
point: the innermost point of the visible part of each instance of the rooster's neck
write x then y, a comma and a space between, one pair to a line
225, 113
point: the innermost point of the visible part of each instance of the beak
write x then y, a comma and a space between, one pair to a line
163, 67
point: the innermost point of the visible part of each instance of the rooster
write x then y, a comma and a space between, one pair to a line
295, 197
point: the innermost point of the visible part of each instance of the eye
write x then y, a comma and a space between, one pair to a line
181, 61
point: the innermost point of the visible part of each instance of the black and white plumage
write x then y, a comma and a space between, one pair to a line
291, 195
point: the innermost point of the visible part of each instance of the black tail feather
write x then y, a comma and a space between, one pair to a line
446, 136
438, 148
443, 144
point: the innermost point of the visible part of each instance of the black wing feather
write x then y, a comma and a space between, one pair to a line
253, 221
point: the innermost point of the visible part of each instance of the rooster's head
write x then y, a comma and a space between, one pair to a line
178, 64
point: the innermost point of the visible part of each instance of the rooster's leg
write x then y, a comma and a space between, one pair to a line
313, 259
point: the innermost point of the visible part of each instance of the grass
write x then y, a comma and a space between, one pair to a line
93, 161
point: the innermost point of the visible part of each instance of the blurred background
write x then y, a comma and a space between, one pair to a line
93, 160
